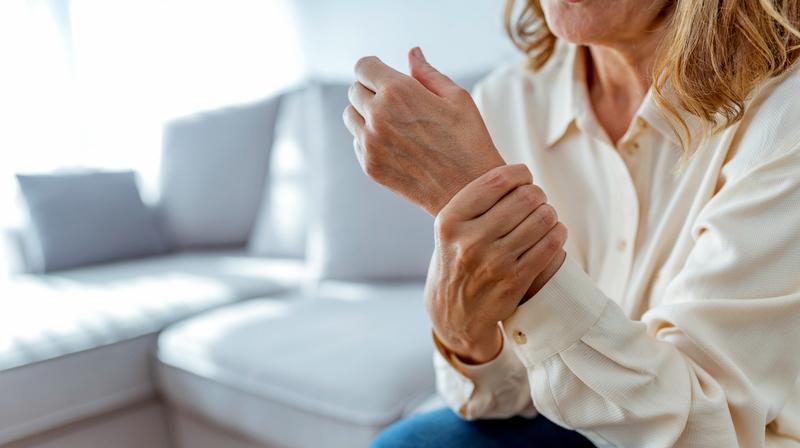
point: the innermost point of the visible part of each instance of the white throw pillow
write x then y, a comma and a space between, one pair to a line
214, 166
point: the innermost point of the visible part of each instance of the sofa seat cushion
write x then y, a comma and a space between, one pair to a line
78, 343
329, 370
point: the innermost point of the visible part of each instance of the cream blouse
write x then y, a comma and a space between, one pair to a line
675, 320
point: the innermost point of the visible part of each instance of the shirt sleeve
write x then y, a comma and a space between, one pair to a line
711, 366
496, 389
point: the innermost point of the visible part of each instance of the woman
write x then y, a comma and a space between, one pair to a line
665, 136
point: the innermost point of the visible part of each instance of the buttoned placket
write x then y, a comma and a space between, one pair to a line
626, 202
623, 160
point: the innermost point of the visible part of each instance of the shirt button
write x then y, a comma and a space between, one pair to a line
621, 245
635, 145
519, 337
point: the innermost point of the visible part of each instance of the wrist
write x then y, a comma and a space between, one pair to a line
481, 351
545, 276
449, 190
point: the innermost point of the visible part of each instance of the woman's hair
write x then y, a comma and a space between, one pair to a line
714, 54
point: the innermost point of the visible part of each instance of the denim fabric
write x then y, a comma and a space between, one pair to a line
444, 429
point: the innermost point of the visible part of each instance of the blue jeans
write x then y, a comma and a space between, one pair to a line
443, 428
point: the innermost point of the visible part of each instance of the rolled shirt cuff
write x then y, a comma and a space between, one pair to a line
556, 317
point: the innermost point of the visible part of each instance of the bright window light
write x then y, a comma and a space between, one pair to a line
90, 83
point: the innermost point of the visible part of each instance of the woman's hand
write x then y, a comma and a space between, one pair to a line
420, 136
493, 239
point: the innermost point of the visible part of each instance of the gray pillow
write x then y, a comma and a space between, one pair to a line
212, 174
87, 218
280, 229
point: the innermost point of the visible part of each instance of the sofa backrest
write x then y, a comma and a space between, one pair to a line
225, 183
358, 229
213, 169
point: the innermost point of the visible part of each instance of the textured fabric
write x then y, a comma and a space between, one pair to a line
675, 319
87, 218
329, 370
444, 429
213, 171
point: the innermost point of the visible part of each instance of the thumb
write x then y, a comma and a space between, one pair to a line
428, 76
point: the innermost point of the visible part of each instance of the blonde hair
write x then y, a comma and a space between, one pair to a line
715, 53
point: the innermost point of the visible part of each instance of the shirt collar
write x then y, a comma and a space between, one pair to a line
668, 126
569, 101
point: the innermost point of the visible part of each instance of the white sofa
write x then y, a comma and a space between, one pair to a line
266, 339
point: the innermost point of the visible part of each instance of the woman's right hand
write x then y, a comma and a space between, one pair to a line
497, 243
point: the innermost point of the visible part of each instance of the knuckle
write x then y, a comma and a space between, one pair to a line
522, 171
364, 62
547, 216
443, 226
556, 238
498, 177
540, 195
529, 197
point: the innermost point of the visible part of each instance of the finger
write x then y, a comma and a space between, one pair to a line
373, 73
482, 193
353, 121
428, 76
360, 97
530, 231
536, 259
510, 211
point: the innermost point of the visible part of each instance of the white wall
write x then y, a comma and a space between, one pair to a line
458, 36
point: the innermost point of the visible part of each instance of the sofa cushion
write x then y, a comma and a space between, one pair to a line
212, 174
311, 371
78, 343
86, 218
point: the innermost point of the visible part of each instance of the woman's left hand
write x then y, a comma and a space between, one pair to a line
497, 243
421, 136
